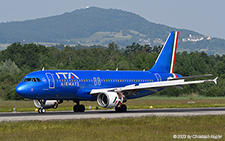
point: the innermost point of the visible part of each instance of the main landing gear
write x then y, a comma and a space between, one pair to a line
122, 108
78, 107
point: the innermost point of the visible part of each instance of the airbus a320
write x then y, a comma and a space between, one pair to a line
111, 89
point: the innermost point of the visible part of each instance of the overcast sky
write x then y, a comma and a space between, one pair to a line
204, 16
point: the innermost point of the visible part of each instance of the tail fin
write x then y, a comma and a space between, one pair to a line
166, 59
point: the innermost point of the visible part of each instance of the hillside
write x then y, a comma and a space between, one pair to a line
102, 26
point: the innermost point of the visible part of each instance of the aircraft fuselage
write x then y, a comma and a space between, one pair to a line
72, 85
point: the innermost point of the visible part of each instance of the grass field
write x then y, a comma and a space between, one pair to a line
144, 128
143, 103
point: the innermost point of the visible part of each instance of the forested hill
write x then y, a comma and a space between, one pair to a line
102, 26
18, 60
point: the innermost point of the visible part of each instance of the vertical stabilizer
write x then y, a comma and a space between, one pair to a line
166, 59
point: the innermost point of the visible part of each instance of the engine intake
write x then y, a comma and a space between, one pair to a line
110, 99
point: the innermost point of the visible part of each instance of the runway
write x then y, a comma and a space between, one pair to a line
107, 114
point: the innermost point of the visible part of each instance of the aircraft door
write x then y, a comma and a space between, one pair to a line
158, 77
51, 80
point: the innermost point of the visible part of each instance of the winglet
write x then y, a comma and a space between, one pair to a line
214, 80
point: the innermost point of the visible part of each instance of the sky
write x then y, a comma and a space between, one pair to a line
203, 16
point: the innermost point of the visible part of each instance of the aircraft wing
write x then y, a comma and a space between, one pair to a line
153, 86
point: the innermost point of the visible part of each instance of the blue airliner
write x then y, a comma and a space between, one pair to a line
110, 89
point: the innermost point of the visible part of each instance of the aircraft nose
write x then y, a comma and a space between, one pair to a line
20, 90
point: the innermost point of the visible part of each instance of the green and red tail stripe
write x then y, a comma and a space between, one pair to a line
173, 55
174, 75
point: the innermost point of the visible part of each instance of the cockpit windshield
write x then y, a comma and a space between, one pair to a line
27, 79
31, 79
34, 80
38, 80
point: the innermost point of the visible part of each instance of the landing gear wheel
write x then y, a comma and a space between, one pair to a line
123, 108
41, 111
81, 108
78, 108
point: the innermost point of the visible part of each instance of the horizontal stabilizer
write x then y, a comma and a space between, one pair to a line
191, 77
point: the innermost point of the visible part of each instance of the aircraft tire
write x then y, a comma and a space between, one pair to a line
41, 111
76, 108
81, 108
118, 109
123, 108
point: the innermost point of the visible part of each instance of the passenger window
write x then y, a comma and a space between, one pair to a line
34, 80
27, 79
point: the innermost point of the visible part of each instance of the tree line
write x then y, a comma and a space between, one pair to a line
18, 60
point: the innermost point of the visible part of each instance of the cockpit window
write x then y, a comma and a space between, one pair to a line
38, 80
34, 80
31, 79
27, 79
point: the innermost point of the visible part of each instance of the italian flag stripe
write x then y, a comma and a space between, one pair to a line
174, 75
174, 50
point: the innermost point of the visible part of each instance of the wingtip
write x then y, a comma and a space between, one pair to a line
212, 80
215, 80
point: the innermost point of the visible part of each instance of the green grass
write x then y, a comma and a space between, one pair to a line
144, 128
143, 103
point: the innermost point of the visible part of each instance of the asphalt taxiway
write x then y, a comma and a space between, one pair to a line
92, 114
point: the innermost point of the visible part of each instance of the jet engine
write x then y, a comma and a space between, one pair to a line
110, 99
47, 104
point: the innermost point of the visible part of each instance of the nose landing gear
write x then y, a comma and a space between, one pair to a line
41, 110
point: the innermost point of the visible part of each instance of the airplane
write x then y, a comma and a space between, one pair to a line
111, 89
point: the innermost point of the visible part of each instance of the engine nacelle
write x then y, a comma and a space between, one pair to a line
110, 99
46, 104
